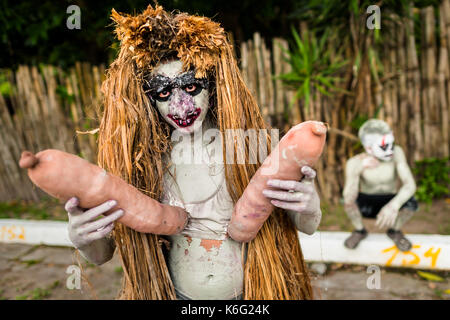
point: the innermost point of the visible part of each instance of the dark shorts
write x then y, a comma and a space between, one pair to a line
370, 204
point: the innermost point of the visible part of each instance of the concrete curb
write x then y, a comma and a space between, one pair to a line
428, 252
52, 233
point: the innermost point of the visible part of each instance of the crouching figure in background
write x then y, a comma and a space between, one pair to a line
371, 186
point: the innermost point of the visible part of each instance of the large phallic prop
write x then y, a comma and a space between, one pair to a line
301, 146
64, 175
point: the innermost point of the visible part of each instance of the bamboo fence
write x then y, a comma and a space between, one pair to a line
45, 110
410, 89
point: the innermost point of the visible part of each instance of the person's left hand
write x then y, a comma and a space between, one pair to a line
387, 216
297, 196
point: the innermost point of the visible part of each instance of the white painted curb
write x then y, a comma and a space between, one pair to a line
52, 233
428, 252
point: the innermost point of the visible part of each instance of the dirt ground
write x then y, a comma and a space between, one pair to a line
41, 272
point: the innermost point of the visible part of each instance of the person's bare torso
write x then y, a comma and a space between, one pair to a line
381, 179
204, 263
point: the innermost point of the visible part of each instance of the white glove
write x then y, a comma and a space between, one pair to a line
84, 228
298, 196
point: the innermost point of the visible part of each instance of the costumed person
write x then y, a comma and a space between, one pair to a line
176, 73
371, 186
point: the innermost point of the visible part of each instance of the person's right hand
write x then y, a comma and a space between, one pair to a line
84, 228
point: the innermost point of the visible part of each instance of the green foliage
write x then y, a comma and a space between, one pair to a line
334, 218
47, 208
312, 66
31, 262
433, 180
430, 276
321, 14
39, 293
62, 92
5, 85
36, 32
359, 119
5, 88
15, 210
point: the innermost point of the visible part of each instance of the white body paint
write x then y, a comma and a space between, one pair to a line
173, 69
366, 174
380, 179
381, 146
203, 261
208, 272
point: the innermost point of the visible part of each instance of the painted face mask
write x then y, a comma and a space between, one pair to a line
181, 99
380, 146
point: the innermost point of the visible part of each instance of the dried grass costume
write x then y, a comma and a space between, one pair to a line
133, 139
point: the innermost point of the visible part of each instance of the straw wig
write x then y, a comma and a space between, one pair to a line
133, 139
155, 34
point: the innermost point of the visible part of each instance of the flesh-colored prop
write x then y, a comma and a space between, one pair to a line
64, 175
301, 146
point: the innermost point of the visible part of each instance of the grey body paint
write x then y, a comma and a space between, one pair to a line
366, 174
299, 198
181, 99
91, 236
203, 261
206, 269
377, 171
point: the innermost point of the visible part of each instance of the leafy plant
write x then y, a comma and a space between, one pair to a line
14, 209
432, 178
430, 276
5, 86
64, 94
32, 262
311, 65
39, 293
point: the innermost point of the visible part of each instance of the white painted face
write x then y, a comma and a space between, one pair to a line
181, 99
381, 146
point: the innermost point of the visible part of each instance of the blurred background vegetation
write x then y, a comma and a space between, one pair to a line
302, 59
34, 32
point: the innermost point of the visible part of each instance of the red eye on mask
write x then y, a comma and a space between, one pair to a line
190, 88
164, 94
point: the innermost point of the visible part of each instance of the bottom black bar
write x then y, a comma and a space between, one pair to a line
200, 309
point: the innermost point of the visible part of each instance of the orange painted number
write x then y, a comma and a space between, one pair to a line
21, 236
396, 251
2, 232
11, 232
432, 255
414, 261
